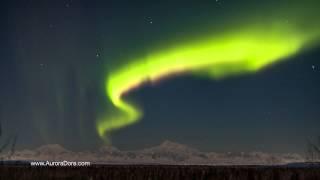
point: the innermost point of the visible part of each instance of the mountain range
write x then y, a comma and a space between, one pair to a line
166, 153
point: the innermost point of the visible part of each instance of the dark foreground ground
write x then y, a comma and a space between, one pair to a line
165, 172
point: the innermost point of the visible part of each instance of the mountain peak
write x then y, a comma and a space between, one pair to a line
108, 148
172, 147
52, 148
168, 143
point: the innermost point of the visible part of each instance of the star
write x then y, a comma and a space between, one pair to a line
42, 66
149, 19
218, 2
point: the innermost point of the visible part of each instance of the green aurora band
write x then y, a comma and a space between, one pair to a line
247, 49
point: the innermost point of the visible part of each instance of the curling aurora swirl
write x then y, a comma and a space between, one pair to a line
245, 50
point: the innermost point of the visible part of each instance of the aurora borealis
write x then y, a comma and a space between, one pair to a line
246, 50
217, 75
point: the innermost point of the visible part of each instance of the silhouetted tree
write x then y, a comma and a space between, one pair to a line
313, 151
11, 141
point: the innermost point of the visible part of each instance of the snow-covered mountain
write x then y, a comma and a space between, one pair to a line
166, 153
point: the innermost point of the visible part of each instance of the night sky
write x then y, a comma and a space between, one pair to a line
57, 55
